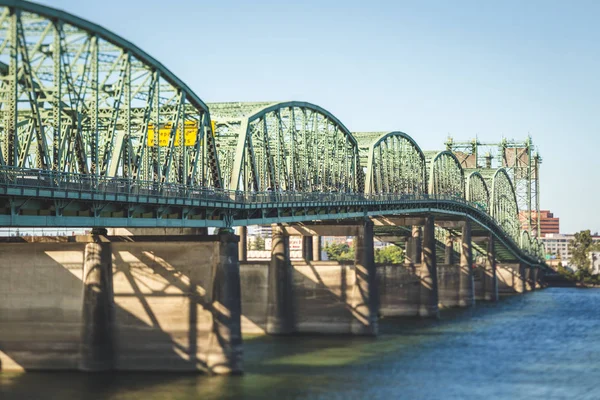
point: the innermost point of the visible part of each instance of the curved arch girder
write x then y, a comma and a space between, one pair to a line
504, 204
525, 242
446, 176
80, 99
477, 191
395, 164
296, 146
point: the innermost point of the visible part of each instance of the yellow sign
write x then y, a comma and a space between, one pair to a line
164, 134
213, 127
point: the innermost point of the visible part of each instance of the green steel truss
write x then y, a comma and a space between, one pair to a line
504, 204
394, 163
446, 176
76, 98
521, 161
95, 132
291, 146
477, 191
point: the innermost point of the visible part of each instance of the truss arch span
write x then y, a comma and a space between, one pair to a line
477, 191
394, 163
526, 243
446, 176
79, 99
504, 207
293, 146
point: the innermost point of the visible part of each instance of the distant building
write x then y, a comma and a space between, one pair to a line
558, 249
548, 223
261, 230
595, 262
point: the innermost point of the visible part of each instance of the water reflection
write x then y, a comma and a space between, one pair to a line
541, 345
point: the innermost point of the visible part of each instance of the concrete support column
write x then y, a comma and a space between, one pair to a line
415, 245
407, 252
97, 350
316, 248
523, 272
365, 297
243, 243
449, 249
531, 279
280, 317
541, 278
307, 248
428, 272
490, 291
466, 295
510, 278
225, 354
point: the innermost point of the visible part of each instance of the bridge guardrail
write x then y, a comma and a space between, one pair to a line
52, 180
48, 179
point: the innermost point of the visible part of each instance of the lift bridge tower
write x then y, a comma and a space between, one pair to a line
522, 162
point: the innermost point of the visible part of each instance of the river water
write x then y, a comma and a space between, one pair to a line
542, 345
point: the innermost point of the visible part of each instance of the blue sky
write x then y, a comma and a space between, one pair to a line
429, 68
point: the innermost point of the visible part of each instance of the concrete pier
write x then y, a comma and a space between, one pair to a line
316, 248
532, 278
541, 278
98, 303
428, 273
365, 298
415, 245
225, 348
449, 249
466, 295
448, 276
307, 248
491, 281
242, 232
281, 313
400, 290
511, 278
97, 349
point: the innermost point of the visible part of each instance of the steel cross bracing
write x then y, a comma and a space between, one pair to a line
95, 132
446, 176
394, 163
75, 98
477, 190
521, 161
285, 146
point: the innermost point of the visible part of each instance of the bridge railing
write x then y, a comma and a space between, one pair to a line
63, 181
53, 180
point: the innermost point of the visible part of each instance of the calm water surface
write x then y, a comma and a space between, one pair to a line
543, 345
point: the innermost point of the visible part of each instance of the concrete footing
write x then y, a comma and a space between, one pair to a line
99, 303
448, 285
511, 278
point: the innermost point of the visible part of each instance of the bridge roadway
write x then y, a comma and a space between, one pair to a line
96, 133
115, 202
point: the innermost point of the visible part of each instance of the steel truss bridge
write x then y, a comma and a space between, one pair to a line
94, 132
